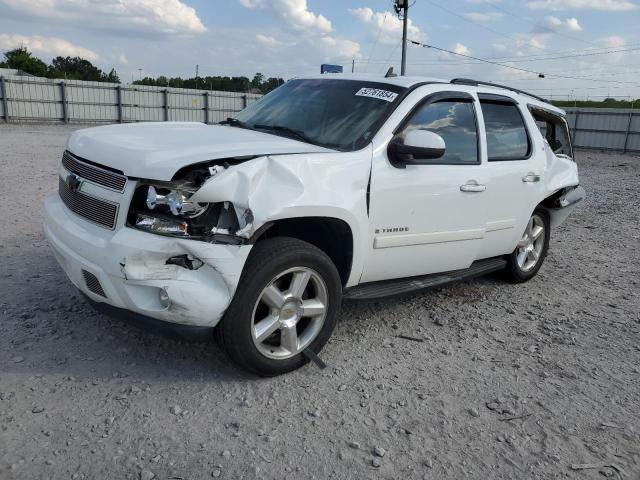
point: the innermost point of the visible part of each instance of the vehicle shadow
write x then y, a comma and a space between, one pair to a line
60, 333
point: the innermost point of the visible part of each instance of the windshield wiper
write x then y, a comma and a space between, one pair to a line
292, 132
234, 122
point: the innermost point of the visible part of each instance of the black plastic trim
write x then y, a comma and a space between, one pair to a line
158, 327
492, 97
402, 286
98, 165
476, 83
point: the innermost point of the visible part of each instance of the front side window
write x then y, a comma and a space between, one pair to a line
455, 122
338, 114
507, 137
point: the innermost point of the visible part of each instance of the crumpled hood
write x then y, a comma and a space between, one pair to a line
158, 150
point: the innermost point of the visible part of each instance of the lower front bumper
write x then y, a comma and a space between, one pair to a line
166, 329
127, 269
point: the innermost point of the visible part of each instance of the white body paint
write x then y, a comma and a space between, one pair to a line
447, 228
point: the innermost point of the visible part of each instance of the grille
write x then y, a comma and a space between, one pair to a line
94, 174
95, 210
93, 284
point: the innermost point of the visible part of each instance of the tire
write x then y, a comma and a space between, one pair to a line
527, 258
275, 271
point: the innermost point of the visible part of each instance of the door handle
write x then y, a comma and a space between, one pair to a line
472, 187
531, 178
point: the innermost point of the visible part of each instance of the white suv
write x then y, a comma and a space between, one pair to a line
330, 187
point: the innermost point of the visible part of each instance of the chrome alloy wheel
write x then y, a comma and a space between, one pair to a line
531, 245
289, 313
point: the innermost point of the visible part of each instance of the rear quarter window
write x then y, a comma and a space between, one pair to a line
507, 137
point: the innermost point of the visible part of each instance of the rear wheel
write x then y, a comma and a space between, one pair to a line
287, 301
525, 261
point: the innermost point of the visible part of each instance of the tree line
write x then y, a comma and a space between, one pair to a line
259, 83
72, 68
77, 68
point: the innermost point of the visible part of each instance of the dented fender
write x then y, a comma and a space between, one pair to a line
332, 184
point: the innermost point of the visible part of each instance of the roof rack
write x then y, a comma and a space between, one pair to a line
475, 83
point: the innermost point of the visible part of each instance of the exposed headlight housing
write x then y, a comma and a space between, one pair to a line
164, 208
176, 201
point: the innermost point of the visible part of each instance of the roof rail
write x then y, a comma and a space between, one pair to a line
475, 83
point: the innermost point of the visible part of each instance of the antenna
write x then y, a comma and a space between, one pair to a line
390, 73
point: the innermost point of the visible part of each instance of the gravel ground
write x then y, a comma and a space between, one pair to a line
539, 380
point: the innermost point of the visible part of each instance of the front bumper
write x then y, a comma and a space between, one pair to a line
131, 271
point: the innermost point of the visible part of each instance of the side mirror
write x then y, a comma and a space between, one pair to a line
416, 147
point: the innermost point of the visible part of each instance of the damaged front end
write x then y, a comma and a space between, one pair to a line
167, 208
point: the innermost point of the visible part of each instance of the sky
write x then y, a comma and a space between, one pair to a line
289, 38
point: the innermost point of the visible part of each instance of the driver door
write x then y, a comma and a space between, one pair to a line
430, 217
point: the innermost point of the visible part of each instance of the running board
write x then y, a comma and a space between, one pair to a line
388, 288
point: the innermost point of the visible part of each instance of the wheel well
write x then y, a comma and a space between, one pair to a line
331, 235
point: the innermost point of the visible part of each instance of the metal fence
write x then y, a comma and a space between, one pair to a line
36, 99
605, 128
24, 99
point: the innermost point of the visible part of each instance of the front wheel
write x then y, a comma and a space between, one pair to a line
525, 261
287, 301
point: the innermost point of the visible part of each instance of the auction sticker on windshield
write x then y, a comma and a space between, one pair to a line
385, 95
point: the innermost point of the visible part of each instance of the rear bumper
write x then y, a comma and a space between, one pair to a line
130, 269
564, 204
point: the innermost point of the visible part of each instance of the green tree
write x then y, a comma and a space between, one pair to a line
113, 76
21, 59
75, 68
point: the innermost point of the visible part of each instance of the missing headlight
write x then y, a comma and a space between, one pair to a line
165, 209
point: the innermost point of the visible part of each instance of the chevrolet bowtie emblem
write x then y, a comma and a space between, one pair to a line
73, 182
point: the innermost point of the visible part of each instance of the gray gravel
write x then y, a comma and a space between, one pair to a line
510, 381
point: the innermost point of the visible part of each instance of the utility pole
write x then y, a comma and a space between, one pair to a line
403, 6
353, 64
197, 68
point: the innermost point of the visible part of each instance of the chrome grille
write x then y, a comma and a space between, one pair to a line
93, 284
94, 209
93, 173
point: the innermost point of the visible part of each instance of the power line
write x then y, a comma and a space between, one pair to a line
503, 65
462, 17
523, 59
535, 24
384, 19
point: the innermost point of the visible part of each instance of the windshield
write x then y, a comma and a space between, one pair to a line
338, 114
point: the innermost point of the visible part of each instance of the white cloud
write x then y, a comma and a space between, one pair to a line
295, 14
611, 5
461, 49
572, 24
339, 48
123, 59
551, 24
536, 43
133, 16
51, 46
614, 41
483, 17
386, 26
268, 41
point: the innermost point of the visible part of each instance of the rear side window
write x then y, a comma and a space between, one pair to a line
554, 129
507, 137
455, 122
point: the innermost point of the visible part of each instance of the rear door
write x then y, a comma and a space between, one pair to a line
428, 218
515, 166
